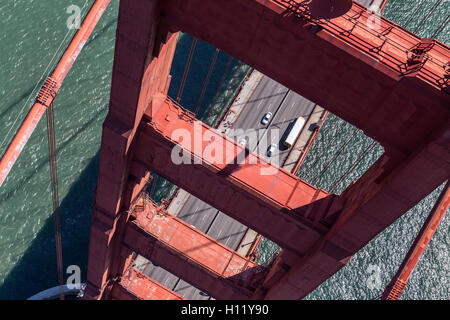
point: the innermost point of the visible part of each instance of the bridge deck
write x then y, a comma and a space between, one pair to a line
162, 238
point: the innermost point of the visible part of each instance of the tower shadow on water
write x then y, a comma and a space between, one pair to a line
36, 270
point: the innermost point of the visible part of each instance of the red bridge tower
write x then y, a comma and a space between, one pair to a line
387, 81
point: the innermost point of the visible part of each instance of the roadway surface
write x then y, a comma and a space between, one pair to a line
286, 106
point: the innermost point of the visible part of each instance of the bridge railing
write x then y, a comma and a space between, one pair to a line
382, 39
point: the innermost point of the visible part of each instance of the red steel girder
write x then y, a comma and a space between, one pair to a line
135, 285
377, 80
50, 88
356, 66
384, 193
142, 60
190, 254
257, 193
398, 283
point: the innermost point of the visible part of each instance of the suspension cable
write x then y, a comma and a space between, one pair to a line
219, 88
326, 147
206, 82
50, 115
186, 69
427, 16
33, 92
53, 82
353, 166
335, 156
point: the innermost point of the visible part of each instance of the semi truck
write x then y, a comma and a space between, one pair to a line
294, 132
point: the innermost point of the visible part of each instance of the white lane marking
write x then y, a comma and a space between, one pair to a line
292, 106
279, 89
288, 112
259, 103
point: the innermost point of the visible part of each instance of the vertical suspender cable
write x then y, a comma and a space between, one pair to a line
417, 29
219, 88
152, 191
52, 83
353, 166
326, 147
50, 115
44, 103
186, 69
441, 27
205, 84
335, 156
33, 92
414, 14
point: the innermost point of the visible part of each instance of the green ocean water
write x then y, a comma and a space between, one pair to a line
30, 33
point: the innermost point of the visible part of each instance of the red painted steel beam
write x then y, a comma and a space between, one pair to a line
257, 193
383, 5
143, 56
134, 285
398, 283
190, 254
368, 77
384, 193
50, 88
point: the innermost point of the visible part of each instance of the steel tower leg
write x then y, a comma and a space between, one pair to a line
142, 61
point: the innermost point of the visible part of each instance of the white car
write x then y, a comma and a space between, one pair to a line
271, 149
243, 141
266, 118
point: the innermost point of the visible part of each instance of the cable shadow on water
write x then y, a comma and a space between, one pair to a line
5, 196
36, 270
16, 102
